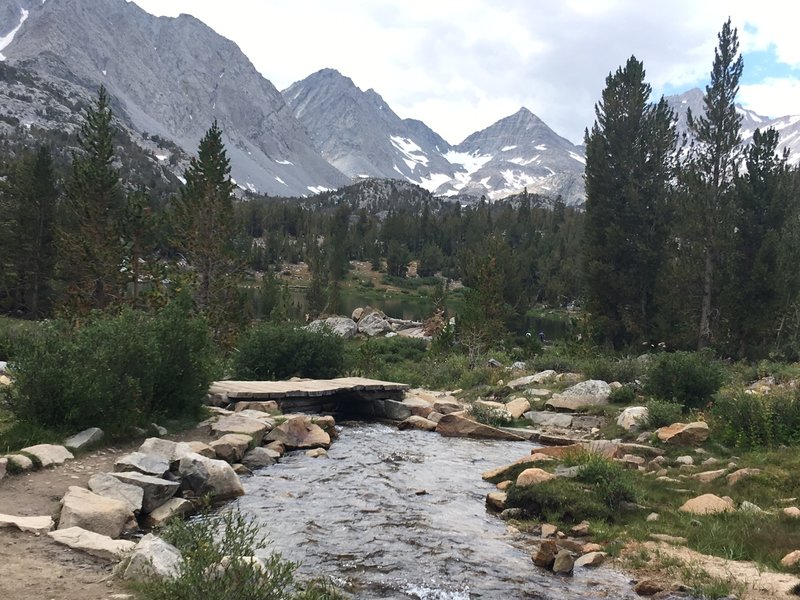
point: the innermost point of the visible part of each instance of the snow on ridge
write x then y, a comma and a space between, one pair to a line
411, 152
9, 37
507, 148
470, 161
577, 157
433, 181
279, 180
541, 147
284, 162
317, 189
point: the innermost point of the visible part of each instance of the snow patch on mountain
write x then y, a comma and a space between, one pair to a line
9, 37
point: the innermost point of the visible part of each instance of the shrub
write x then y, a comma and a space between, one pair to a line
662, 413
114, 371
496, 417
689, 378
277, 351
624, 370
623, 395
755, 421
612, 483
559, 500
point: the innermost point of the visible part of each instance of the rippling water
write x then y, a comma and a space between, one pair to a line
401, 515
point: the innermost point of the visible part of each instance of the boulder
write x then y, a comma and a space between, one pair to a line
502, 471
454, 425
684, 434
84, 509
581, 529
419, 406
549, 530
92, 543
156, 491
587, 393
392, 409
737, 476
327, 423
29, 524
517, 407
139, 462
259, 458
238, 423
203, 476
563, 563
549, 419
496, 501
269, 407
533, 477
108, 486
231, 446
341, 326
591, 559
49, 454
707, 504
521, 382
792, 512
415, 422
300, 433
153, 558
174, 507
649, 587
791, 560
435, 416
20, 461
633, 418
447, 405
85, 438
201, 448
172, 451
317, 453
357, 314
707, 476
373, 324
545, 556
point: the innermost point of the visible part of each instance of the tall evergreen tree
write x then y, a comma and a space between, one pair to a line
90, 248
628, 167
713, 161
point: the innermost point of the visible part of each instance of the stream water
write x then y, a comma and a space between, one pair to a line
401, 515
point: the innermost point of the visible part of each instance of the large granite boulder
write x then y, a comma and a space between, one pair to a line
392, 409
174, 507
707, 504
85, 509
416, 422
84, 439
547, 418
156, 491
516, 407
101, 546
206, 476
341, 326
139, 462
259, 458
533, 476
108, 486
455, 425
373, 324
585, 393
48, 454
633, 418
153, 558
172, 451
684, 434
239, 423
299, 433
231, 447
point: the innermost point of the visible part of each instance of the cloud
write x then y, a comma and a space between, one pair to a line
772, 97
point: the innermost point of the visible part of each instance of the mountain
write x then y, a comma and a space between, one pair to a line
788, 127
358, 133
172, 77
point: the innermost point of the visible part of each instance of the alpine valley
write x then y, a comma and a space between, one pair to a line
169, 78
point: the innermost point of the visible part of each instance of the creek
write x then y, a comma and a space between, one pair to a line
401, 515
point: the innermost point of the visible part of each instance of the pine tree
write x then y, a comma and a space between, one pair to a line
711, 168
90, 248
628, 166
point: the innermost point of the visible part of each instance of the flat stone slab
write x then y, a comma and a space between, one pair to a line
49, 454
92, 543
105, 484
85, 509
85, 438
171, 508
239, 423
156, 490
147, 464
28, 524
274, 390
172, 451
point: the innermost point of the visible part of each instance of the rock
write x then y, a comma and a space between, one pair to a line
684, 434
591, 559
747, 506
564, 563
648, 587
20, 461
84, 509
591, 547
512, 513
545, 556
203, 476
300, 433
238, 423
49, 454
549, 530
259, 458
589, 422
586, 393
28, 524
153, 558
607, 448
92, 543
447, 406
737, 476
373, 324
792, 512
392, 409
707, 504
241, 470
5, 380
269, 407
157, 430
415, 422
517, 407
200, 448
276, 447
108, 486
791, 560
504, 485
518, 365
341, 326
171, 451
581, 529
652, 517
156, 491
327, 423
540, 377
231, 446
3, 467
85, 438
453, 425
549, 419
357, 314
633, 418
146, 464
317, 453
419, 406
685, 460
533, 477
435, 416
668, 539
633, 461
174, 507
707, 476
496, 501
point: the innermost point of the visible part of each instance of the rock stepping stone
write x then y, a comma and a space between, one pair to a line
153, 558
92, 543
28, 524
105, 484
239, 423
171, 508
201, 476
146, 464
49, 454
85, 438
156, 490
87, 510
20, 461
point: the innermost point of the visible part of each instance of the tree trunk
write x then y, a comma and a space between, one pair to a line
704, 338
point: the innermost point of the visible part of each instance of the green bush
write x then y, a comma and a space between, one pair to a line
217, 565
276, 351
613, 484
559, 500
689, 378
495, 417
113, 372
662, 413
622, 395
755, 421
624, 370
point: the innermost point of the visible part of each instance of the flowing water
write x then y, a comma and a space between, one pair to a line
401, 515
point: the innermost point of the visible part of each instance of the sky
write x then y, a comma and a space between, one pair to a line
461, 65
